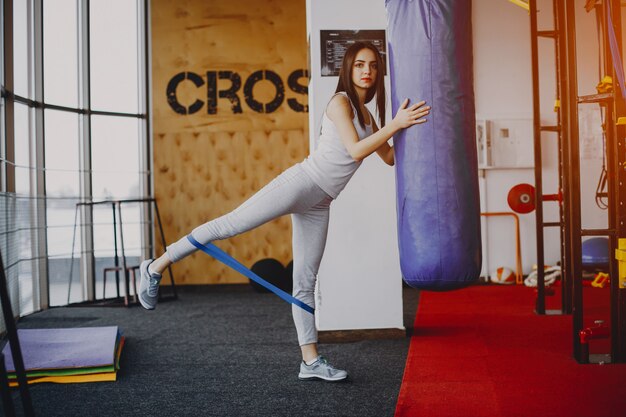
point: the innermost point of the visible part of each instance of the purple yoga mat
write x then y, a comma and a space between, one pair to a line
81, 347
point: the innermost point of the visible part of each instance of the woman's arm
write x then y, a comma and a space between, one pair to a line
385, 151
340, 112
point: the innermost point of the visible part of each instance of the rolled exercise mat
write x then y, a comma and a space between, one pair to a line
430, 53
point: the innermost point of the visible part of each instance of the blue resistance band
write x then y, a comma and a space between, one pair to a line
212, 250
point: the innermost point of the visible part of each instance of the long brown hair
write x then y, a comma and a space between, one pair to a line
345, 81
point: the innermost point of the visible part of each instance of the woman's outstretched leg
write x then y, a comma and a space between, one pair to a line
292, 191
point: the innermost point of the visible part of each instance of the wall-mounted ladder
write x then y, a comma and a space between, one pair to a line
560, 131
566, 128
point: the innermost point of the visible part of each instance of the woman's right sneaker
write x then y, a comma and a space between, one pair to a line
321, 369
148, 286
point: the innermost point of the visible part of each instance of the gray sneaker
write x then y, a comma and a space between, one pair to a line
321, 369
149, 286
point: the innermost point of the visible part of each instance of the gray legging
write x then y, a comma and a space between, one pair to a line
292, 192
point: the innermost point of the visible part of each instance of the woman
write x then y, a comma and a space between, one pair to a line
349, 134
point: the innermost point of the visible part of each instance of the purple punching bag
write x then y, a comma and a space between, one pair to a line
430, 56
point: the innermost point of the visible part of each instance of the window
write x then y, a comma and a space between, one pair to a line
20, 209
115, 156
82, 138
23, 144
62, 192
115, 153
114, 55
60, 52
22, 38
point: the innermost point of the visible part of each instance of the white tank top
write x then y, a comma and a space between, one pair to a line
330, 166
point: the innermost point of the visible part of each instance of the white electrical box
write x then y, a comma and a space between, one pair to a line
505, 143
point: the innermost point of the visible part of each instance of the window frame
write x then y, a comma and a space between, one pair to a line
36, 82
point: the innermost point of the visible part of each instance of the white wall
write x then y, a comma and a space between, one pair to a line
360, 283
360, 275
503, 89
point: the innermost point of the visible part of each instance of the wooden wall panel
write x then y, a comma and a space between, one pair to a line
207, 164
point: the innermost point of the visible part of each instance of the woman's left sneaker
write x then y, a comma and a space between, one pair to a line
148, 286
321, 369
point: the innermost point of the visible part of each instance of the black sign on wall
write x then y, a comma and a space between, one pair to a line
233, 94
335, 42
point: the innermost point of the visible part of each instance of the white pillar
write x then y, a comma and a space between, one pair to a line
359, 282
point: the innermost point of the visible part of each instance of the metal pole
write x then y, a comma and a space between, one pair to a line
610, 134
117, 259
563, 134
87, 258
69, 286
39, 234
540, 307
8, 174
125, 270
616, 189
574, 210
146, 187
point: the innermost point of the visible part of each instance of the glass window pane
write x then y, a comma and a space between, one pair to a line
115, 157
60, 48
106, 244
63, 189
63, 245
62, 152
115, 163
20, 48
114, 55
23, 141
25, 210
16, 251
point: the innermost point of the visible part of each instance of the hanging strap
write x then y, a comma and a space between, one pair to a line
212, 250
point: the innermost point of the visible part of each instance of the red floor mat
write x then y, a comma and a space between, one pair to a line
482, 351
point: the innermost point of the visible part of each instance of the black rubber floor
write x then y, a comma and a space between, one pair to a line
222, 351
